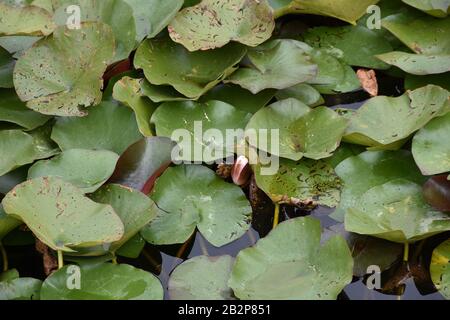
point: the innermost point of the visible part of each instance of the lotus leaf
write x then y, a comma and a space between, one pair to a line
439, 268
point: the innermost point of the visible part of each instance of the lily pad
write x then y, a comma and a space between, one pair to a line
396, 211
85, 169
302, 92
383, 121
202, 278
129, 284
277, 64
7, 223
436, 8
27, 20
7, 64
61, 216
311, 271
369, 169
161, 93
128, 91
430, 147
61, 74
133, 207
440, 268
190, 73
197, 119
213, 24
102, 129
417, 64
12, 287
193, 196
302, 183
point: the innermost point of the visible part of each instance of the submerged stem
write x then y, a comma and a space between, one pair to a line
4, 257
276, 216
406, 252
60, 259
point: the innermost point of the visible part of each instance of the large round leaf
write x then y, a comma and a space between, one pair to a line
193, 196
196, 119
202, 278
62, 73
7, 64
303, 92
437, 8
430, 146
191, 73
396, 211
301, 183
85, 169
14, 288
61, 216
133, 207
103, 282
417, 64
212, 24
372, 168
310, 271
440, 268
7, 223
277, 64
107, 127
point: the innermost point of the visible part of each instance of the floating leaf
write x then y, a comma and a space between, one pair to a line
61, 217
303, 132
14, 288
277, 64
311, 271
202, 278
128, 91
196, 120
190, 73
129, 284
28, 20
133, 207
212, 24
193, 196
430, 146
85, 169
132, 248
302, 183
102, 129
7, 224
396, 211
440, 268
437, 8
383, 121
302, 92
161, 93
61, 74
417, 64
7, 64
369, 169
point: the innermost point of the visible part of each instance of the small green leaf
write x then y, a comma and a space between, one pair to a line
303, 92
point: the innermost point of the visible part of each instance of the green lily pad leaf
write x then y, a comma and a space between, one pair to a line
161, 93
18, 44
202, 278
85, 169
277, 64
396, 211
61, 74
440, 270
133, 207
132, 248
129, 284
303, 92
346, 10
19, 148
27, 20
311, 271
303, 183
7, 64
383, 121
417, 64
190, 73
61, 216
191, 117
430, 146
15, 111
14, 288
213, 24
239, 97
372, 168
303, 132
345, 39
128, 91
436, 8
193, 196
107, 127
115, 13
7, 223
152, 16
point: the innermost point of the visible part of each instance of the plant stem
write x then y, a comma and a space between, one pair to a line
4, 257
60, 260
114, 259
276, 216
406, 252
